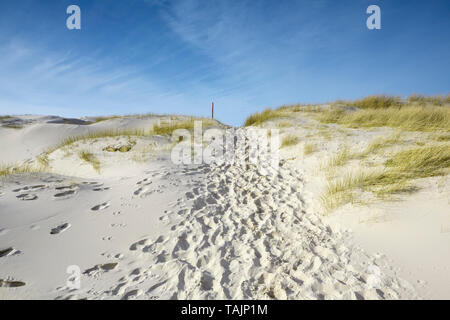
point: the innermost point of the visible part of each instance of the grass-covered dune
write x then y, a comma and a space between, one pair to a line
164, 127
416, 113
414, 143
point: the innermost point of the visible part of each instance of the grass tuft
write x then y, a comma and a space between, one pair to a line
422, 162
289, 140
380, 143
7, 170
309, 148
397, 176
91, 159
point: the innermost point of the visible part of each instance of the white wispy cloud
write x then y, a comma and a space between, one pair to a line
35, 80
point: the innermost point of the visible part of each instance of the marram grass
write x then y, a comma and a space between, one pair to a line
289, 140
409, 118
91, 159
398, 176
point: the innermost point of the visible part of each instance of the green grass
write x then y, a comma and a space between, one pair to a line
376, 102
400, 171
433, 100
268, 114
91, 159
422, 162
410, 118
289, 140
259, 118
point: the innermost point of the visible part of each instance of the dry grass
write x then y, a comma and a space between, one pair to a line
422, 162
309, 148
376, 102
284, 124
105, 118
381, 143
162, 129
169, 128
340, 158
43, 160
102, 134
442, 137
268, 114
90, 158
410, 118
7, 170
283, 111
400, 171
289, 140
438, 100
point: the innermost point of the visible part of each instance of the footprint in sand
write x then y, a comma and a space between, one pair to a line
65, 194
89, 183
133, 294
101, 206
70, 187
100, 268
144, 182
101, 189
8, 252
138, 245
61, 228
27, 197
11, 283
53, 179
142, 191
31, 188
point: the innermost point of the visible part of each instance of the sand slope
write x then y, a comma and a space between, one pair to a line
156, 230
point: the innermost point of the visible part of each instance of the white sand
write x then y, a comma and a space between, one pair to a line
413, 231
149, 229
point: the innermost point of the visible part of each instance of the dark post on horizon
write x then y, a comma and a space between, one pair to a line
212, 110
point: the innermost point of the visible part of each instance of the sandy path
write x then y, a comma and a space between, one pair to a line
245, 235
197, 232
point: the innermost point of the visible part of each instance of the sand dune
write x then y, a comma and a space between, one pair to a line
150, 229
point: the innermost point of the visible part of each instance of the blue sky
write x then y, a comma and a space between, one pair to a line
134, 56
